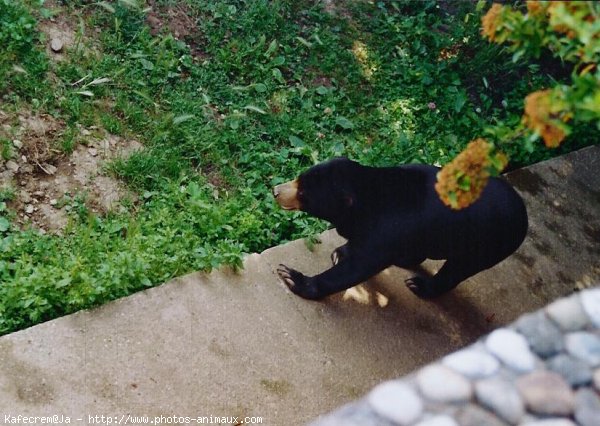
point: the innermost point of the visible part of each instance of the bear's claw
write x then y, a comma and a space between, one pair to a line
339, 254
335, 257
297, 282
420, 287
287, 276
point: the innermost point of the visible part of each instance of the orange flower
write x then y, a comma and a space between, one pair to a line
571, 8
461, 182
490, 21
535, 7
538, 117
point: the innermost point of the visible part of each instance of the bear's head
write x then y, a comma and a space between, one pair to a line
325, 191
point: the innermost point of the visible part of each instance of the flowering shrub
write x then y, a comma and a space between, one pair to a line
571, 32
461, 182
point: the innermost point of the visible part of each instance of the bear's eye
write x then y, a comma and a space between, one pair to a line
300, 194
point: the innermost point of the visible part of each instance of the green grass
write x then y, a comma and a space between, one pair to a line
277, 86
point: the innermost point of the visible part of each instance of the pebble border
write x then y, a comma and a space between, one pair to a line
542, 370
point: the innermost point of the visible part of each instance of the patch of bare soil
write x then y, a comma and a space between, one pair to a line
336, 7
60, 36
178, 20
46, 180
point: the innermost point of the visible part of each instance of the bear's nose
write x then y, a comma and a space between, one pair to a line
286, 195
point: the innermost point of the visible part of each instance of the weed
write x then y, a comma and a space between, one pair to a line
21, 59
6, 150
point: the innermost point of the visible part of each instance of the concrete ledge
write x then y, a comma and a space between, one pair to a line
542, 370
225, 344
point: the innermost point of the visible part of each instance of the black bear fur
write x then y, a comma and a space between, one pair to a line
393, 216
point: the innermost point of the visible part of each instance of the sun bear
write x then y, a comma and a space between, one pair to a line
393, 216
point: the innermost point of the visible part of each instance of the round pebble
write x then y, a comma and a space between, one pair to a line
568, 313
585, 346
546, 393
587, 412
473, 415
396, 401
471, 387
511, 348
438, 421
442, 384
590, 299
544, 338
573, 370
551, 422
500, 397
472, 363
12, 166
56, 44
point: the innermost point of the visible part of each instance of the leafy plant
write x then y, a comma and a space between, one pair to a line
569, 31
250, 96
20, 58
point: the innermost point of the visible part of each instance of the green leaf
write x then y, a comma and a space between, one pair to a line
344, 123
459, 102
106, 6
144, 96
147, 64
97, 81
296, 141
278, 61
272, 48
115, 227
322, 90
133, 4
255, 109
497, 163
517, 55
4, 224
63, 283
304, 42
453, 199
277, 75
260, 88
464, 183
28, 302
181, 118
46, 13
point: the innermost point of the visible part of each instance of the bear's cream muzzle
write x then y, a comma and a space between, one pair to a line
286, 195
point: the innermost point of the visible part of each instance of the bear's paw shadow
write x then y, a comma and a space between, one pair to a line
386, 294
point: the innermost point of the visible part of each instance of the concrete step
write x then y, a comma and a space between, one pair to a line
239, 344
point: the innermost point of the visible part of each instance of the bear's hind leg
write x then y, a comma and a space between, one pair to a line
451, 274
409, 262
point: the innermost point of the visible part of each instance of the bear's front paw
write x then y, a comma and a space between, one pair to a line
421, 287
297, 282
